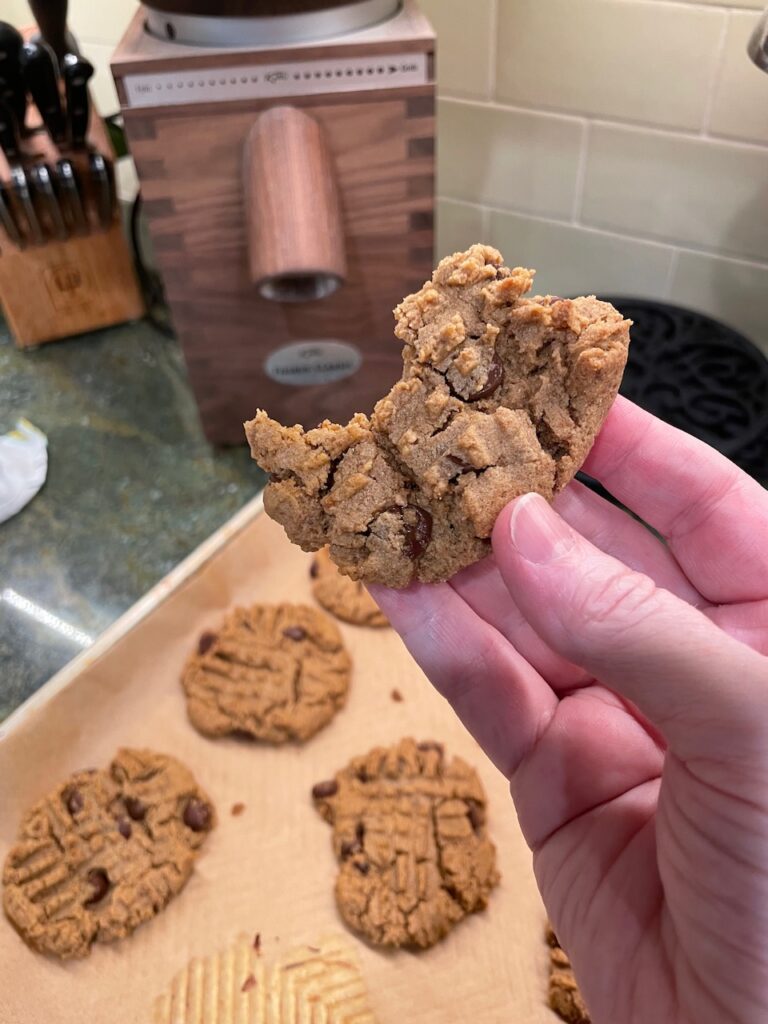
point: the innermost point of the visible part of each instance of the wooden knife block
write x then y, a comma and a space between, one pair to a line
60, 288
324, 187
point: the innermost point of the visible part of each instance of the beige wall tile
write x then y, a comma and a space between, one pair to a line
464, 44
694, 191
16, 12
740, 106
729, 290
575, 261
627, 59
507, 158
459, 225
100, 21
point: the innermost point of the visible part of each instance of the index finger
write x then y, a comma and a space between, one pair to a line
714, 516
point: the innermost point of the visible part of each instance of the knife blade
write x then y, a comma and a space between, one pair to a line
76, 72
21, 189
40, 177
39, 72
51, 18
9, 134
6, 218
12, 89
69, 190
100, 175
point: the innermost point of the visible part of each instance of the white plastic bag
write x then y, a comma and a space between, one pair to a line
23, 467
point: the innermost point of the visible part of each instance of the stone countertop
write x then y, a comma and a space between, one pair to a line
132, 488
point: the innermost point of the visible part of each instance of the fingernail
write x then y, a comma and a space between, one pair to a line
538, 533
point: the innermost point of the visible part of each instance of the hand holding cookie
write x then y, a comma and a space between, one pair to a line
620, 684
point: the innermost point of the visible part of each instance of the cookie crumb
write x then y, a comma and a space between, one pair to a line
397, 697
564, 996
249, 983
237, 810
257, 943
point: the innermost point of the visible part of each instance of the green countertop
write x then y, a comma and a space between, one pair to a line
132, 488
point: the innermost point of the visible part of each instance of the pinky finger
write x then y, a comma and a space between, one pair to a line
501, 700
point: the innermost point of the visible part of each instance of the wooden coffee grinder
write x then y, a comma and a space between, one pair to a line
286, 157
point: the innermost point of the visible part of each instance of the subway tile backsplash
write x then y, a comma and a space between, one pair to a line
615, 145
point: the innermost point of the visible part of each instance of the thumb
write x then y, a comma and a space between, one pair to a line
695, 683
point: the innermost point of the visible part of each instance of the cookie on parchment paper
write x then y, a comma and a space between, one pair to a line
409, 834
310, 983
269, 672
347, 599
564, 995
105, 851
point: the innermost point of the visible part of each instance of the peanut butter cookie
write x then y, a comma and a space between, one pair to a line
347, 599
104, 852
270, 672
409, 834
500, 395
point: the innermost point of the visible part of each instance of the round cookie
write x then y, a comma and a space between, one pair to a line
104, 851
347, 599
409, 834
500, 395
270, 672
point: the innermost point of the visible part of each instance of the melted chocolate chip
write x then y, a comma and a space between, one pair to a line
295, 633
417, 529
136, 809
322, 790
493, 382
124, 828
362, 867
206, 642
314, 570
73, 800
476, 815
197, 815
360, 831
98, 879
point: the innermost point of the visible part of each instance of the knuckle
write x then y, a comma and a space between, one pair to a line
606, 607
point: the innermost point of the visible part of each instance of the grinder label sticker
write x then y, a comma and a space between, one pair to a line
305, 363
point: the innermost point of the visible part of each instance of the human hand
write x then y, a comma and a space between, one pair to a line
622, 686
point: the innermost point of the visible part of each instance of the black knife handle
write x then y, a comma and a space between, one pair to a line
51, 18
76, 72
9, 133
12, 89
40, 77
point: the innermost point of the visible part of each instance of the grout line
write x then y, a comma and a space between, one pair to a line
656, 243
581, 174
673, 264
601, 120
715, 78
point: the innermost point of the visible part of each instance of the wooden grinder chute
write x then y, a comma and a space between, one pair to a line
295, 230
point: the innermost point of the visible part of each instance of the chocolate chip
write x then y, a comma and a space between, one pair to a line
322, 790
124, 828
363, 867
98, 879
206, 642
295, 633
493, 382
237, 810
417, 529
363, 775
476, 815
248, 984
197, 815
73, 800
136, 809
348, 848
360, 831
397, 697
314, 570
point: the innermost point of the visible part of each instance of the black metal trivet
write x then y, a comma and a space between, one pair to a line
701, 376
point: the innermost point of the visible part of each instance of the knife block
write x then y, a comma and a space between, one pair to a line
60, 288
289, 196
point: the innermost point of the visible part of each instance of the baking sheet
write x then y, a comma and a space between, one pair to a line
271, 869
